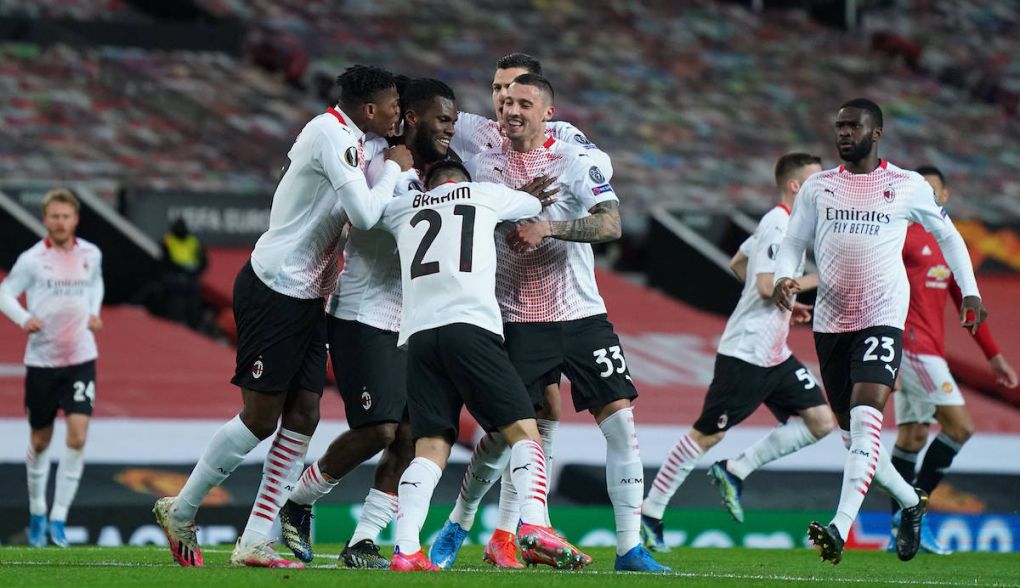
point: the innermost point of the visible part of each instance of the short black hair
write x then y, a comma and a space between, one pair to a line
360, 84
536, 80
791, 163
931, 170
866, 105
446, 169
419, 92
522, 60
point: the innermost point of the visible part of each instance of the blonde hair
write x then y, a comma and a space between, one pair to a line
61, 195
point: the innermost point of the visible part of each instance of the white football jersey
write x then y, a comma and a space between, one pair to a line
447, 254
369, 289
323, 185
556, 281
62, 289
756, 331
474, 134
858, 223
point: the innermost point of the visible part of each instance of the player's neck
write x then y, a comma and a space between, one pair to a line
531, 143
65, 245
863, 166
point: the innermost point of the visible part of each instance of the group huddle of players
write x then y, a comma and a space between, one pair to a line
468, 281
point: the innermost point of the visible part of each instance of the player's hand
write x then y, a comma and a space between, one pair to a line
528, 236
801, 313
539, 188
95, 323
1005, 375
972, 313
32, 325
782, 294
401, 155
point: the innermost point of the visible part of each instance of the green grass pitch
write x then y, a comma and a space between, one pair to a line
82, 567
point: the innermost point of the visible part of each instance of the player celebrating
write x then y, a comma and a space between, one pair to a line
474, 135
928, 390
278, 308
63, 278
754, 366
857, 216
555, 318
370, 368
452, 328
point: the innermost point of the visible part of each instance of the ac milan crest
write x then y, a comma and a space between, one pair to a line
723, 420
889, 195
366, 399
257, 368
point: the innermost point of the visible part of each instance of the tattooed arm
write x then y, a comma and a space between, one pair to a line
602, 225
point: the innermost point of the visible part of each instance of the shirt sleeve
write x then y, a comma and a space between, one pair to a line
769, 238
799, 232
19, 280
514, 205
925, 209
466, 131
590, 183
568, 133
363, 206
97, 288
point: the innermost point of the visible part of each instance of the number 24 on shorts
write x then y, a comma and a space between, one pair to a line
83, 392
605, 358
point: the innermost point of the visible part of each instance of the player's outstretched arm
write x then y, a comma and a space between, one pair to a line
601, 226
1005, 375
738, 265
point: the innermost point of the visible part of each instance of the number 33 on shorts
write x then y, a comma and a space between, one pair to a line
611, 361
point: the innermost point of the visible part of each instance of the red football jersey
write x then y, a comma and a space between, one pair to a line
930, 284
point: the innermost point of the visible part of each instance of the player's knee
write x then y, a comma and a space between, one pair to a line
960, 433
381, 435
707, 441
76, 442
40, 445
820, 423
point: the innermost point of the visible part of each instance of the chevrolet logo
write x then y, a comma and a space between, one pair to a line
939, 272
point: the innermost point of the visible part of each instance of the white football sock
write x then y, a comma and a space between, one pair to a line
624, 477
509, 504
312, 485
547, 431
487, 463
781, 441
37, 466
527, 468
379, 509
281, 470
678, 465
859, 470
69, 470
226, 450
414, 496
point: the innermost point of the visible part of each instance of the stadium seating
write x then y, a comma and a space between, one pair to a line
693, 100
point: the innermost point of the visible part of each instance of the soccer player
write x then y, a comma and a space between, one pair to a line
754, 366
474, 135
452, 328
928, 391
555, 318
370, 368
278, 308
857, 216
63, 279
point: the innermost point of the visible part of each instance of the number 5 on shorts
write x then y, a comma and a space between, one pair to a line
602, 359
805, 376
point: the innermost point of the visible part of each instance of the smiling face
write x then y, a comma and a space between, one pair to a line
525, 112
501, 81
433, 128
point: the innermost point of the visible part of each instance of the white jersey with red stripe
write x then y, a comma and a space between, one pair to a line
475, 134
63, 288
556, 281
323, 185
369, 290
756, 332
858, 223
447, 255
